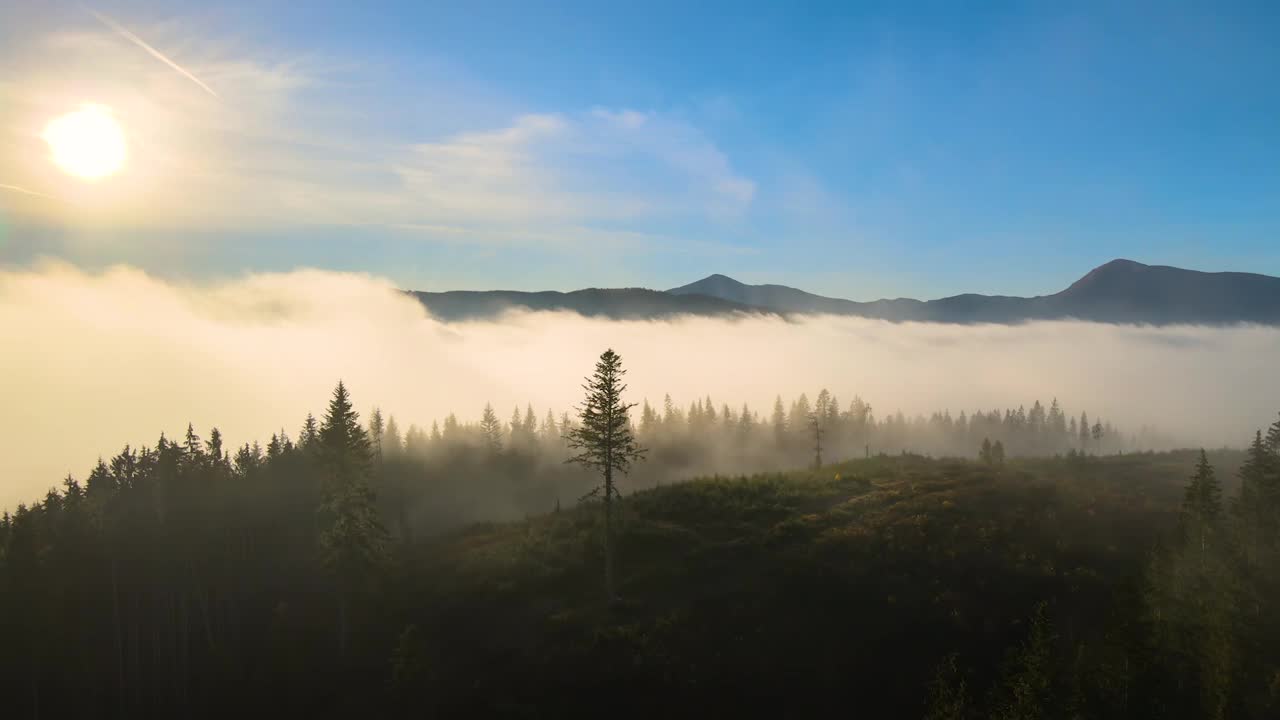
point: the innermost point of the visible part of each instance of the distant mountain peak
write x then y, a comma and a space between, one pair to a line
1114, 271
1121, 263
713, 280
1118, 265
1119, 291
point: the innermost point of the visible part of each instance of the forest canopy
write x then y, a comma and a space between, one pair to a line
188, 574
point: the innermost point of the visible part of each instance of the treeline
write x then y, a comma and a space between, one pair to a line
786, 434
190, 575
455, 471
1200, 639
493, 468
1212, 593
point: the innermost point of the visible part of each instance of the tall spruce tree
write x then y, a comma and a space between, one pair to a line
1202, 504
490, 429
1251, 506
779, 424
352, 537
376, 429
1273, 437
603, 442
309, 433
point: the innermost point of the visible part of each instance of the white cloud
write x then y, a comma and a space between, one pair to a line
116, 357
284, 144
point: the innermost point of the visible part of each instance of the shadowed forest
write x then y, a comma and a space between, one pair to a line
1037, 568
951, 336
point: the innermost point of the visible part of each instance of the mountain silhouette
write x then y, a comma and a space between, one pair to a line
1121, 291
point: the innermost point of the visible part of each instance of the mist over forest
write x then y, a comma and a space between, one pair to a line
632, 360
119, 356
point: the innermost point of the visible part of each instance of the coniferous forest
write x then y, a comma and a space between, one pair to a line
1006, 564
944, 387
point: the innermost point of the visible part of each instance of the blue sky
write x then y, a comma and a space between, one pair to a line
859, 150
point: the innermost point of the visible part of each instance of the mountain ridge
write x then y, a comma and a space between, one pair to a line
1121, 291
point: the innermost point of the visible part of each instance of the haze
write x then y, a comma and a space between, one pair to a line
97, 360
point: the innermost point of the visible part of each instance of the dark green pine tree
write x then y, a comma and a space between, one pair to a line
529, 427
603, 442
1273, 437
1202, 506
309, 433
376, 430
491, 430
352, 537
1255, 506
1024, 692
192, 449
392, 444
779, 424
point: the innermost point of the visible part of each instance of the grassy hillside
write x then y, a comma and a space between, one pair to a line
791, 592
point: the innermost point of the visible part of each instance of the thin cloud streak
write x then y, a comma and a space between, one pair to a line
25, 191
124, 32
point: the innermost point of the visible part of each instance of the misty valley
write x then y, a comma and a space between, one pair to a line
1008, 563
567, 358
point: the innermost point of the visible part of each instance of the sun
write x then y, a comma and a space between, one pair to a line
87, 143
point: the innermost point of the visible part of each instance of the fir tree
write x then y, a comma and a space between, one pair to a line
352, 537
1202, 504
1258, 504
746, 424
309, 433
1024, 693
376, 430
392, 444
997, 453
490, 430
530, 425
516, 428
1273, 438
604, 442
779, 424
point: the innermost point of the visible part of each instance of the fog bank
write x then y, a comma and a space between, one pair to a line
93, 361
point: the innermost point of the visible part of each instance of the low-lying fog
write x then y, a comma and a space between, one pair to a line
94, 361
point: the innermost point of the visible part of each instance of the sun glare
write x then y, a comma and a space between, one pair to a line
87, 143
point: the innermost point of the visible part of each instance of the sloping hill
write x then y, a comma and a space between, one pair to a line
792, 594
1128, 291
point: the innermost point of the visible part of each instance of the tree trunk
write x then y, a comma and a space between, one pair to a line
610, 587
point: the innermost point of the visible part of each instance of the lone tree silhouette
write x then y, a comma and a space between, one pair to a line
604, 443
815, 421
